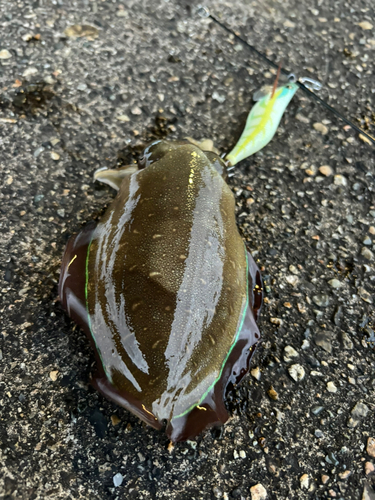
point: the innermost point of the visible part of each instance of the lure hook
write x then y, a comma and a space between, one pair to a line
203, 11
311, 84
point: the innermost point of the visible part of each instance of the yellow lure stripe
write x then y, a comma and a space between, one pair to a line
262, 123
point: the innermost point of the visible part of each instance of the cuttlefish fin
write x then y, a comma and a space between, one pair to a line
114, 177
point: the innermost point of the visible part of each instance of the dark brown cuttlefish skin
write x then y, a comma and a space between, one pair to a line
167, 293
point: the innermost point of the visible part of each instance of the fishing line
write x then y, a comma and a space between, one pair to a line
204, 12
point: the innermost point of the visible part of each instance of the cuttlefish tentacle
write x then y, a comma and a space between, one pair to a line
114, 177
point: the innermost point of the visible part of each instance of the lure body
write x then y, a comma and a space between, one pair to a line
262, 123
166, 291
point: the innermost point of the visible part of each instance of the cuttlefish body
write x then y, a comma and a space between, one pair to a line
164, 287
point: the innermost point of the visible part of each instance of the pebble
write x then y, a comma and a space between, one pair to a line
242, 454
30, 72
217, 492
293, 269
115, 420
53, 375
331, 387
321, 300
258, 492
5, 54
367, 254
136, 110
82, 87
276, 321
38, 151
273, 394
118, 479
371, 230
319, 127
359, 411
367, 241
292, 280
55, 156
365, 295
326, 170
289, 353
61, 212
319, 434
335, 283
323, 340
123, 118
371, 446
369, 467
365, 25
297, 372
340, 180
345, 341
304, 481
79, 30
256, 373
325, 479
218, 97
331, 459
345, 474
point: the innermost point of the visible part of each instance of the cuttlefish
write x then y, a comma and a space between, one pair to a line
164, 286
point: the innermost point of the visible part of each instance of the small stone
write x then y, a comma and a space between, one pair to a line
340, 180
332, 493
289, 24
80, 30
321, 300
319, 127
136, 110
359, 411
235, 454
371, 230
369, 467
9, 181
289, 353
345, 341
323, 340
304, 481
367, 241
123, 118
319, 434
325, 479
115, 420
365, 25
335, 283
258, 492
276, 321
242, 454
331, 459
293, 269
297, 372
82, 87
53, 375
217, 492
5, 54
345, 474
38, 151
61, 212
326, 170
55, 156
331, 387
365, 295
367, 254
256, 373
371, 446
292, 280
273, 394
30, 72
218, 97
118, 479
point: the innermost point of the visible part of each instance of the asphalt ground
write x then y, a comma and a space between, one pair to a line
79, 99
